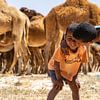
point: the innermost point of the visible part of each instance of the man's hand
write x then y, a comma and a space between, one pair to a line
59, 84
77, 83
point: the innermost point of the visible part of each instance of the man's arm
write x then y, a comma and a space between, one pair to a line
57, 70
59, 82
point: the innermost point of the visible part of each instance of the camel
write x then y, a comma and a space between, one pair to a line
61, 16
36, 36
36, 39
14, 21
57, 20
95, 50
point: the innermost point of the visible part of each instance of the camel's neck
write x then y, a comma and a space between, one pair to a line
3, 3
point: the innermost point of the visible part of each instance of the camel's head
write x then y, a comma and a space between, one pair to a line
28, 12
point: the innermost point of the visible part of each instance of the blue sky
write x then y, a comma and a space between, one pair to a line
42, 6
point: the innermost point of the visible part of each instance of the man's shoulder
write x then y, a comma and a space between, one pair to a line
82, 47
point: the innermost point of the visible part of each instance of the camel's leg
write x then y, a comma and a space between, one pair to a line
47, 52
19, 49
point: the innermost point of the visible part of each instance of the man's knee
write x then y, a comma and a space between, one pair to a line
74, 87
58, 88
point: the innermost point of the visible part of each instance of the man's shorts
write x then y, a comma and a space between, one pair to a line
51, 73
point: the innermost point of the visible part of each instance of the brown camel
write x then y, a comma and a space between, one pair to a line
36, 43
61, 16
36, 39
57, 20
18, 23
95, 51
36, 36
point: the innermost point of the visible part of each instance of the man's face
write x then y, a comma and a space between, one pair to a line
71, 41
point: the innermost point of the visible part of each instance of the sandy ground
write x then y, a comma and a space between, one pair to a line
36, 87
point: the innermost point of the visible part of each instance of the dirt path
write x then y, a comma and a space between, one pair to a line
36, 87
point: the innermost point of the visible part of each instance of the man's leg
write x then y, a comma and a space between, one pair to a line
75, 89
54, 91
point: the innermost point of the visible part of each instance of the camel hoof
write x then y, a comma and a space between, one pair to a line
10, 72
18, 74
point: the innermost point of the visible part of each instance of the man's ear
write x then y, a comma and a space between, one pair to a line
64, 36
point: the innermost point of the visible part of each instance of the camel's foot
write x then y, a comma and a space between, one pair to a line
28, 73
19, 74
2, 72
9, 72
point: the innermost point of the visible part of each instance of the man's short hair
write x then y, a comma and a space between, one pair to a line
63, 44
83, 31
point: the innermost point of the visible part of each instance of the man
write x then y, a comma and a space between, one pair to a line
64, 66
